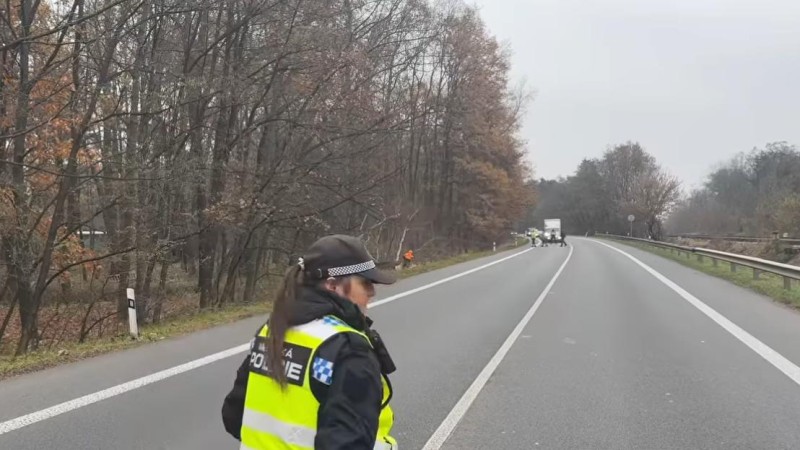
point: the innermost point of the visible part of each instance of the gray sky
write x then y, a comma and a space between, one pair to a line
695, 81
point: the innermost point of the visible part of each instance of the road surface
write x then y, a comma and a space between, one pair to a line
575, 348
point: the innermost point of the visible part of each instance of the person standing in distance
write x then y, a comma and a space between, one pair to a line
316, 376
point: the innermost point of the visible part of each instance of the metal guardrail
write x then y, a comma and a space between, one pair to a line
790, 241
758, 265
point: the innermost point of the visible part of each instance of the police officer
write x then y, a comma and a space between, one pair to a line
316, 376
535, 238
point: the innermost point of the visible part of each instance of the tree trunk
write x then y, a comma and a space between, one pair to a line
19, 253
12, 306
162, 292
206, 250
143, 307
253, 268
28, 315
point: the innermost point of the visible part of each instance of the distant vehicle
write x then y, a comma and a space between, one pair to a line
552, 227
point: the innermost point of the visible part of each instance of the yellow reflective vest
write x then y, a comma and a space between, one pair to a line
286, 419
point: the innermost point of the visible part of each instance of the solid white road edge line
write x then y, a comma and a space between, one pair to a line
789, 368
48, 413
457, 413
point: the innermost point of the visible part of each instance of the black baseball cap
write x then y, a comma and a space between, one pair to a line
339, 255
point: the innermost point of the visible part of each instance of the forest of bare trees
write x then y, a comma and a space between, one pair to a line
603, 192
753, 194
144, 143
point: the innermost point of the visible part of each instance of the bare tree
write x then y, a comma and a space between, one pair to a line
210, 141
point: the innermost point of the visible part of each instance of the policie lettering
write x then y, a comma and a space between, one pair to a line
295, 361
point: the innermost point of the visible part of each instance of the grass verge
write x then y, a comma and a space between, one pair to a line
177, 326
767, 284
181, 325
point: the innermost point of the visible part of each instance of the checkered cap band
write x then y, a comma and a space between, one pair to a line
350, 270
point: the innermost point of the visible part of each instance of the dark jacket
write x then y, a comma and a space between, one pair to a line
350, 406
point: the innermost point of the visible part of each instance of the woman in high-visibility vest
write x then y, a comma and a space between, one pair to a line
316, 375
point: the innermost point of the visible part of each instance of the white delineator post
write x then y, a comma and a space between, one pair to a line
134, 326
494, 246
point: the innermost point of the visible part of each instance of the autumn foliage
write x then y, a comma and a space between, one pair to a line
156, 143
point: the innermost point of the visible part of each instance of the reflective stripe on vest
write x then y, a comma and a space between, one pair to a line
297, 435
286, 419
294, 435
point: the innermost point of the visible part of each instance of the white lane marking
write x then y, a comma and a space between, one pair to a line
48, 413
444, 280
457, 413
95, 397
789, 368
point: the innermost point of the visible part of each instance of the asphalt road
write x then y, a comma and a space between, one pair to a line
613, 358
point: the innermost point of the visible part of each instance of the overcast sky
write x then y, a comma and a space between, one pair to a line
694, 81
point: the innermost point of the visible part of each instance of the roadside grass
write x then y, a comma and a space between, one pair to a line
190, 322
767, 284
176, 326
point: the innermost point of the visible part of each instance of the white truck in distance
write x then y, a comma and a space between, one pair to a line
552, 226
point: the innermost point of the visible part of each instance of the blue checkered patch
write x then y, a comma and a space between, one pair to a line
330, 320
322, 370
